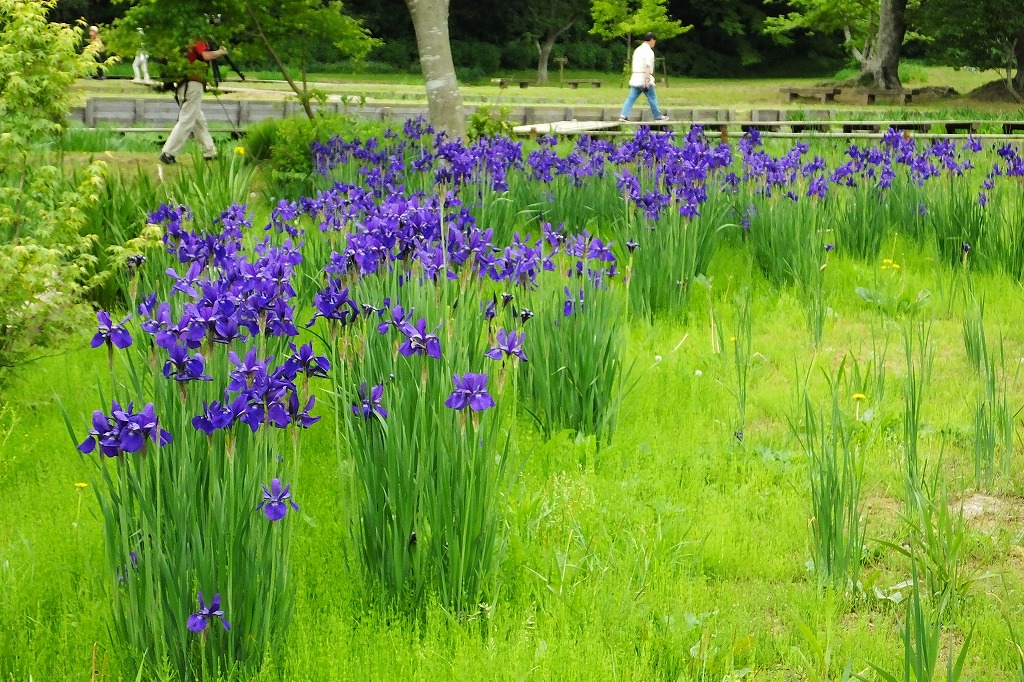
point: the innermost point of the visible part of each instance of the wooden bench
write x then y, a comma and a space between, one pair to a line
504, 82
902, 96
824, 95
1010, 127
773, 126
882, 126
970, 127
584, 81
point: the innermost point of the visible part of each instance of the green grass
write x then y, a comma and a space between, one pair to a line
676, 553
679, 92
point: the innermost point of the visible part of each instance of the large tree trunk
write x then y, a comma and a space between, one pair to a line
544, 55
883, 63
544, 50
444, 102
1018, 49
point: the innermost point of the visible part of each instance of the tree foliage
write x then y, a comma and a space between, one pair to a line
736, 23
287, 30
545, 22
855, 20
44, 258
984, 33
623, 18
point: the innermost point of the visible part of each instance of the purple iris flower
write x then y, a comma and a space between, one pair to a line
509, 344
571, 304
470, 391
303, 360
215, 416
489, 310
399, 318
276, 500
249, 372
181, 367
124, 431
370, 402
198, 621
418, 341
135, 428
110, 333
281, 414
334, 303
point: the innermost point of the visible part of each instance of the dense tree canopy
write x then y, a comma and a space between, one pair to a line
730, 37
493, 35
984, 33
287, 30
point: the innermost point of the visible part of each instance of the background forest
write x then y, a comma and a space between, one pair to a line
729, 38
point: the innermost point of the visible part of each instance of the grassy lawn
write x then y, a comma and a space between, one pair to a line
683, 550
740, 94
677, 553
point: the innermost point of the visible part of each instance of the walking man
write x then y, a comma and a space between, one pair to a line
189, 96
642, 79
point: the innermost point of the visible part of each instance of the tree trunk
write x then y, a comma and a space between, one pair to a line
884, 61
1018, 49
544, 55
444, 102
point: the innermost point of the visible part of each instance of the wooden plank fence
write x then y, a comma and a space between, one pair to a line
225, 113
152, 112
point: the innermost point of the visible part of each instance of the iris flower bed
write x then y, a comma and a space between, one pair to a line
431, 305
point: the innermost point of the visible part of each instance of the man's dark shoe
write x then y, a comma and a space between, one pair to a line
167, 159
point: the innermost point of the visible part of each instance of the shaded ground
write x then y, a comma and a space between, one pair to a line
995, 91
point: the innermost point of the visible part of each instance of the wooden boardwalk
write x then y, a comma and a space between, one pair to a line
566, 127
161, 113
823, 129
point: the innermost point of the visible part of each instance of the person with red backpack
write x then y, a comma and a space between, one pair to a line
189, 95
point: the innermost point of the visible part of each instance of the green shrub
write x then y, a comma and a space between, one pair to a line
487, 123
397, 53
520, 55
283, 145
592, 56
484, 58
45, 260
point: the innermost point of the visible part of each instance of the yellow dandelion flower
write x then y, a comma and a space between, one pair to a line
885, 267
895, 266
887, 260
859, 396
81, 485
240, 151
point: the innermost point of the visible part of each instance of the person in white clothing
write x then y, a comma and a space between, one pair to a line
641, 79
141, 64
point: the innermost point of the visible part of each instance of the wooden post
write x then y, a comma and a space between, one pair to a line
90, 113
561, 61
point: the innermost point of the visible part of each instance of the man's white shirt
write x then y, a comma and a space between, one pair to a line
643, 63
